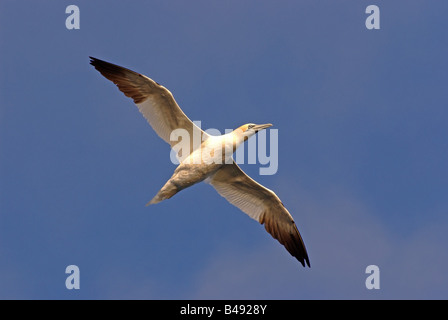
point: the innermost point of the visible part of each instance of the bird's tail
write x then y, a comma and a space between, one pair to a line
167, 191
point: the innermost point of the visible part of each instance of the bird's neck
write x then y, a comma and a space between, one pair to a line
236, 138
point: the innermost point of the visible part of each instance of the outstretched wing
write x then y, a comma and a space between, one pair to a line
261, 204
154, 101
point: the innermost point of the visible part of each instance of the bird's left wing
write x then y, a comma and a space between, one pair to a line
261, 204
154, 101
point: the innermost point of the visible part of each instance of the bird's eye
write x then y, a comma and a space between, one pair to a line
250, 126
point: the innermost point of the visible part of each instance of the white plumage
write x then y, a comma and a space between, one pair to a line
159, 108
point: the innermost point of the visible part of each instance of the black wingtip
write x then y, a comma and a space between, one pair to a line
304, 261
95, 61
98, 62
307, 262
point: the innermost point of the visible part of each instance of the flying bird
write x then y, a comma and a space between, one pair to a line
158, 106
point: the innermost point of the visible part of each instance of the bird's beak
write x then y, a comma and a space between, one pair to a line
260, 127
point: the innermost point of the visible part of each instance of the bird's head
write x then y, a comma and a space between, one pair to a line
249, 129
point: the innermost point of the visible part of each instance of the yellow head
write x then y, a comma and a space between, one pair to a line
253, 127
249, 129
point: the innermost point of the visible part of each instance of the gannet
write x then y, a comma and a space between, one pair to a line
158, 106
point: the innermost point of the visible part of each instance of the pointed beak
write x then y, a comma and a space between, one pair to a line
260, 127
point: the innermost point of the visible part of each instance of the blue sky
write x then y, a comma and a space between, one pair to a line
361, 118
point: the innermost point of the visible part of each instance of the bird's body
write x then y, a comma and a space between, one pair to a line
203, 162
208, 160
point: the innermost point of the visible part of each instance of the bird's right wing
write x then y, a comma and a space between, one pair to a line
260, 204
154, 101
